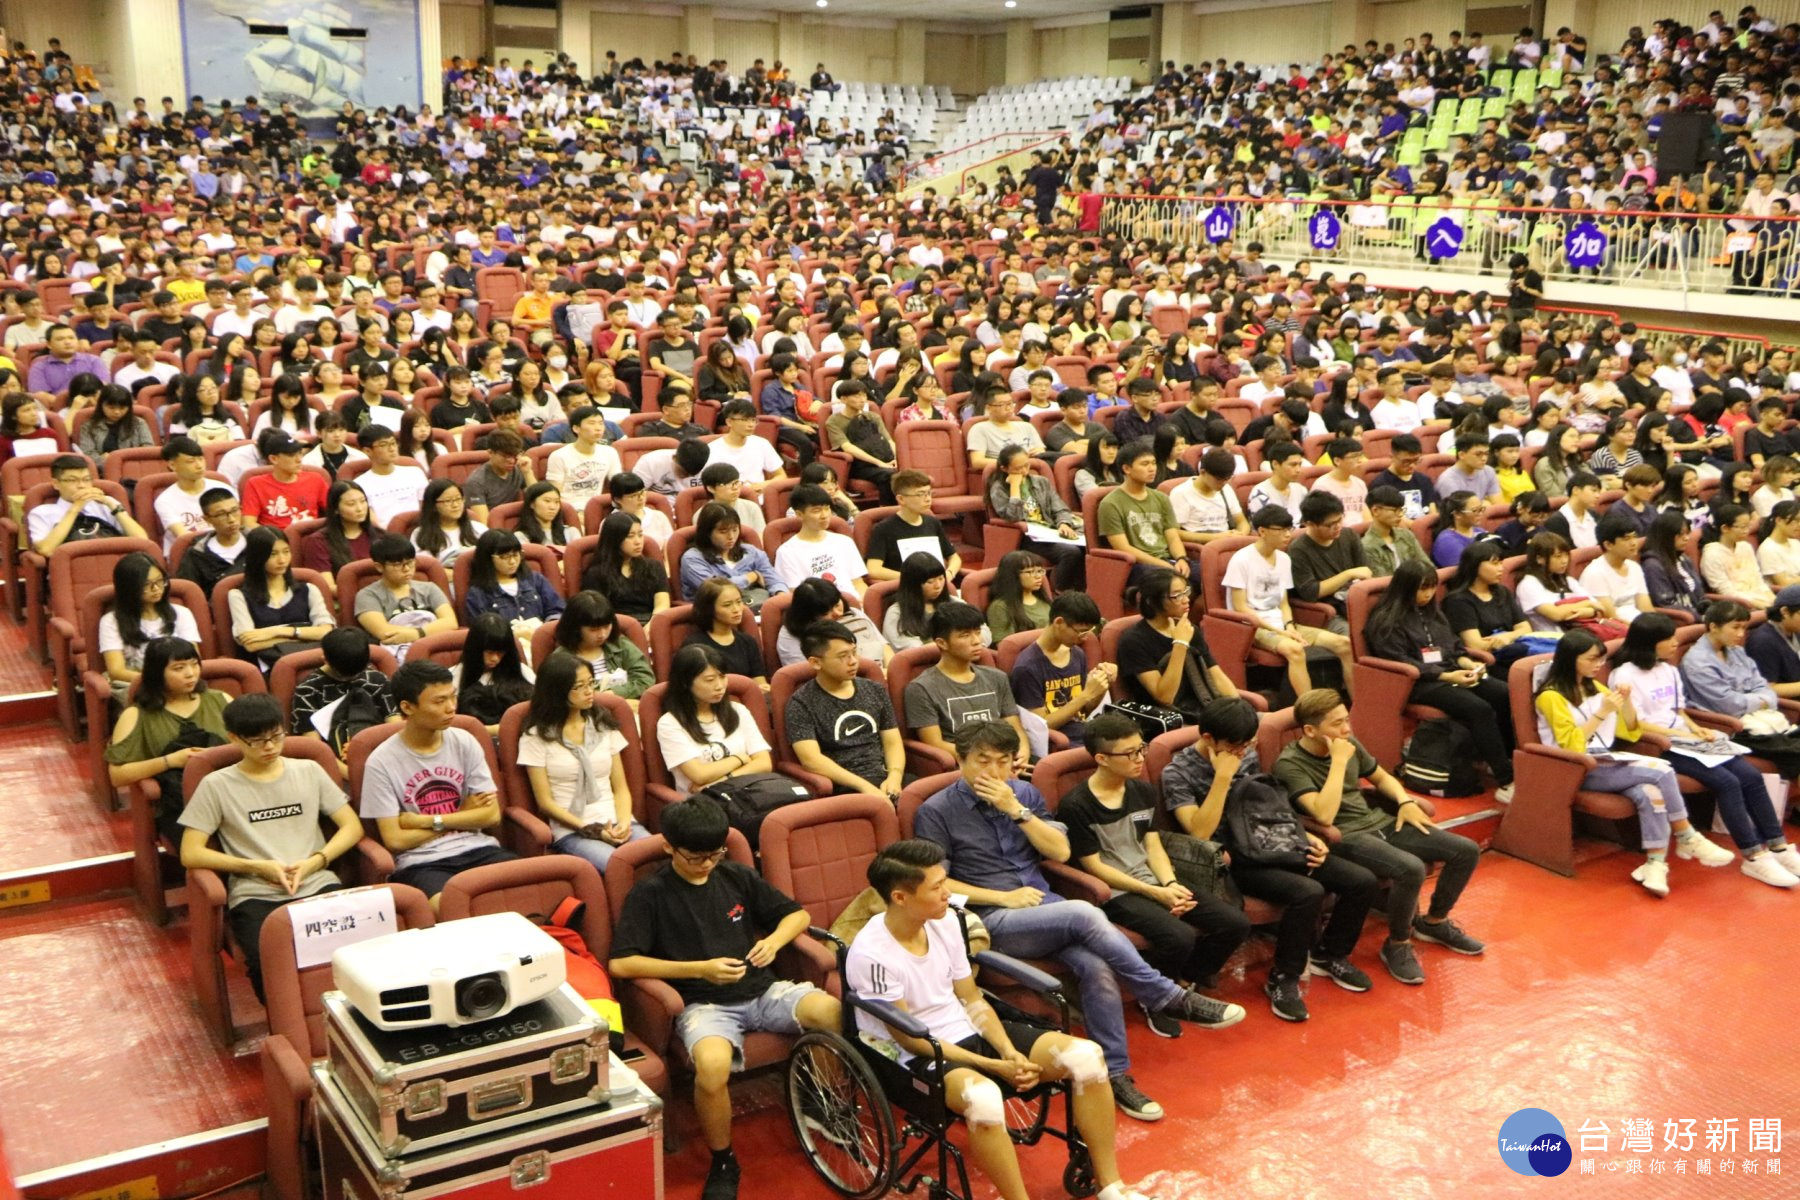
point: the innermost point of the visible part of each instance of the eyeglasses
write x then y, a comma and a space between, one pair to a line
1184, 597
700, 859
266, 740
1133, 754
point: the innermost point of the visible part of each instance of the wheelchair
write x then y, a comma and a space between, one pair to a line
842, 1092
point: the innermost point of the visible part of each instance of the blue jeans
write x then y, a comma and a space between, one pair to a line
1652, 787
593, 849
1743, 799
1080, 936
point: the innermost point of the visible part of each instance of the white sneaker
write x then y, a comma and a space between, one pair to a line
1706, 853
1765, 868
1122, 1191
1504, 795
1654, 875
1789, 860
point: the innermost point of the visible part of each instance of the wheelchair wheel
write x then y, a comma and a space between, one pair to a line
840, 1116
1026, 1117
1078, 1176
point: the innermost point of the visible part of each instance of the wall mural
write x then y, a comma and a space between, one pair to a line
232, 53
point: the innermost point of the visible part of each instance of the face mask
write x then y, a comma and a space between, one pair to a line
558, 362
1681, 360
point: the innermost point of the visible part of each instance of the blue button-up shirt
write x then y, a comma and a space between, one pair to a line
987, 848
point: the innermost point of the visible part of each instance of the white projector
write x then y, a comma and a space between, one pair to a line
456, 973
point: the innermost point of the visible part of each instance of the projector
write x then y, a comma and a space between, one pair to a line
456, 973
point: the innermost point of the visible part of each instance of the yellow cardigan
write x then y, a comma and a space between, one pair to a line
1565, 722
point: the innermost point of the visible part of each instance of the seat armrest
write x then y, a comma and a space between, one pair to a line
1012, 968
1557, 754
1073, 884
529, 833
923, 760
373, 864
818, 785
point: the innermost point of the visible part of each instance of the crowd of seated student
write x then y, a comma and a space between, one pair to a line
1457, 373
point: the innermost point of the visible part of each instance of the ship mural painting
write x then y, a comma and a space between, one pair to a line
315, 66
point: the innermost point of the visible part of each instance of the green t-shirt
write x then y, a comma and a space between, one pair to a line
1300, 771
1145, 523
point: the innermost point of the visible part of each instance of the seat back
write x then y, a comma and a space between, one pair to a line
182, 592
1059, 773
77, 568
819, 851
917, 793
295, 996
458, 464
445, 649
1215, 556
936, 448
533, 887
1522, 679
1274, 730
790, 679
221, 606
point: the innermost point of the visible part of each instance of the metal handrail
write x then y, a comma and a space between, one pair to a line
1717, 253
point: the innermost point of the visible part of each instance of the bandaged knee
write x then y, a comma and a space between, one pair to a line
982, 1103
1084, 1061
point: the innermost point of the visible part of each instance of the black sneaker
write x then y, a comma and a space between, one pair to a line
722, 1180
1340, 971
1402, 963
1132, 1102
1446, 933
1283, 992
1204, 1011
1163, 1024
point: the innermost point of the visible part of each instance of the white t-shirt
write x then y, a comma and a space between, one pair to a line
678, 747
558, 760
1777, 559
1534, 595
581, 477
1401, 416
1264, 583
1197, 512
880, 968
176, 507
835, 559
1656, 694
400, 490
1601, 581
1266, 493
111, 639
755, 460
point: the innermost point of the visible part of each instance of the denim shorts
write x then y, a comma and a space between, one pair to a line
771, 1012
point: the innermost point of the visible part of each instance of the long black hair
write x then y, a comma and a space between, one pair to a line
259, 544
1399, 603
915, 611
1102, 473
1648, 631
1008, 591
131, 578
691, 662
813, 601
711, 516
532, 529
491, 544
429, 535
1562, 677
1469, 565
556, 678
152, 690
489, 631
587, 609
336, 540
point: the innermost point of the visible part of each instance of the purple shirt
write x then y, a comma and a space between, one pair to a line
50, 375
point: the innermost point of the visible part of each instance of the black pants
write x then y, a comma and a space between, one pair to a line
1302, 893
1193, 946
1068, 563
806, 447
1484, 710
246, 921
881, 477
1782, 749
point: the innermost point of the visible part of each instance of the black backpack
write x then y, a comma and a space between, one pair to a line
356, 712
1262, 827
1440, 760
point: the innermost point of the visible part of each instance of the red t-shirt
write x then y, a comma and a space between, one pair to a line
271, 502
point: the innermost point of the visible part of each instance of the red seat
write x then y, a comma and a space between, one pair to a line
659, 782
536, 886
527, 833
75, 569
290, 669
297, 1037
784, 683
1108, 570
360, 574
819, 851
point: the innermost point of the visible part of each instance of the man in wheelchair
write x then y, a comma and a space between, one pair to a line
695, 925
913, 958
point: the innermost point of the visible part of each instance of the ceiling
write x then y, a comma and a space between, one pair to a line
954, 10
